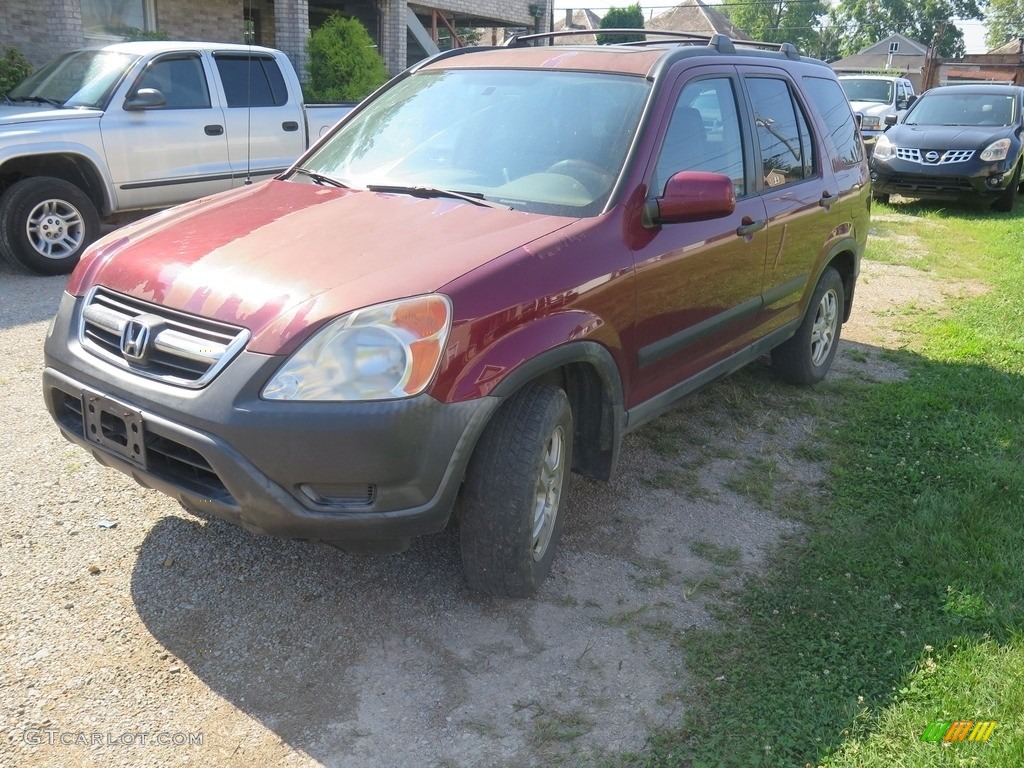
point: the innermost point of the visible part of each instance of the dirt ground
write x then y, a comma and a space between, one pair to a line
137, 635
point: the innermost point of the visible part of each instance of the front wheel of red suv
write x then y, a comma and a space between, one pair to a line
808, 355
512, 501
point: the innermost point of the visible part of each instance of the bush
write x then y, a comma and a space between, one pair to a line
343, 62
14, 68
622, 18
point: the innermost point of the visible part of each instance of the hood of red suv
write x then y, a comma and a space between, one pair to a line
281, 258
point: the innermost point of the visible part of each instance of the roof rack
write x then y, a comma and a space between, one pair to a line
721, 43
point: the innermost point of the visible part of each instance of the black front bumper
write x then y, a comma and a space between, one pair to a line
951, 181
337, 472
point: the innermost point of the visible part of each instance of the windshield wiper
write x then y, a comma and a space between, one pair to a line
476, 198
38, 100
320, 178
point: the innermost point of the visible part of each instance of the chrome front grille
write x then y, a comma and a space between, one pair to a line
180, 349
925, 157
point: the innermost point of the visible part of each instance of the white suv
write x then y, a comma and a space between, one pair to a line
875, 96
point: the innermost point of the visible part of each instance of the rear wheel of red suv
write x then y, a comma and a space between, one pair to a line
512, 502
807, 356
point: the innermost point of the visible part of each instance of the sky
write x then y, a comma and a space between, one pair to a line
974, 31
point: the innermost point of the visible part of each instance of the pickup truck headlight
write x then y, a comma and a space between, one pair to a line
997, 150
869, 121
884, 149
381, 352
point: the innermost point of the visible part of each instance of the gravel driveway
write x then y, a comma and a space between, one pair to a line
135, 634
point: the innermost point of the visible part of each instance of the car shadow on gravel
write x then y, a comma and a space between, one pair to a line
391, 660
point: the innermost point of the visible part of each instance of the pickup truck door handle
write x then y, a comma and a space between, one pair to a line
290, 125
750, 226
826, 200
214, 130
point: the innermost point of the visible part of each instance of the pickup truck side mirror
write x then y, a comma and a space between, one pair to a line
692, 196
903, 103
145, 98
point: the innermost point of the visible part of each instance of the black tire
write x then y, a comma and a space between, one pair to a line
514, 494
1005, 202
807, 356
46, 224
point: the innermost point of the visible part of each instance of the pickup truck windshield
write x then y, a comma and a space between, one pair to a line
79, 79
546, 141
879, 91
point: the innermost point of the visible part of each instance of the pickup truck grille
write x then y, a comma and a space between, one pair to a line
164, 344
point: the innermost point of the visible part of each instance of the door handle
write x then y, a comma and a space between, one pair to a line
290, 125
214, 130
750, 226
826, 200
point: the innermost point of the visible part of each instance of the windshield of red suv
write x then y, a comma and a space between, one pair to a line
879, 91
549, 141
963, 109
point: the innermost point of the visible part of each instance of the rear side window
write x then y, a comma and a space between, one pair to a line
787, 151
251, 81
835, 111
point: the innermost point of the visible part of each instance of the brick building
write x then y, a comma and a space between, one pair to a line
404, 32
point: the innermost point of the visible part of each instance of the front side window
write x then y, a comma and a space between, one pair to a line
549, 141
703, 135
180, 79
826, 94
787, 151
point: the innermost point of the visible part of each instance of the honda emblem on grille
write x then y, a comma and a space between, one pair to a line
135, 340
932, 157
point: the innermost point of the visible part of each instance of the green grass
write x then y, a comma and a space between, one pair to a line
903, 602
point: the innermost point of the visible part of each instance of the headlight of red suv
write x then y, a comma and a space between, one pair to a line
382, 352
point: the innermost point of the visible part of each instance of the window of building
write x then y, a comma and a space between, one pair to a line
112, 20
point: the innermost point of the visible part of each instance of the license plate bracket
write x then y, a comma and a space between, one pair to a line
115, 427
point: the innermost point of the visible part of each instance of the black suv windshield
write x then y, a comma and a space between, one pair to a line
78, 79
963, 109
539, 141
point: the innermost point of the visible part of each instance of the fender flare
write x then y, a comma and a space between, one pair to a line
107, 203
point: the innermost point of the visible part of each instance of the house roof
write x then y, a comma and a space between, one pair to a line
698, 18
1014, 46
581, 19
908, 57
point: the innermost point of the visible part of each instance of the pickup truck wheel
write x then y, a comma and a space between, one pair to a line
45, 224
1005, 202
807, 356
881, 197
518, 478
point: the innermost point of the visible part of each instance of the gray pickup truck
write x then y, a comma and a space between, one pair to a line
139, 126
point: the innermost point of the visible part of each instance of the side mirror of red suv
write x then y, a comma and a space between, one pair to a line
692, 196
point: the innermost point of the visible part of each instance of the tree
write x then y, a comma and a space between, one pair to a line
630, 17
864, 22
343, 62
1005, 21
14, 68
781, 21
